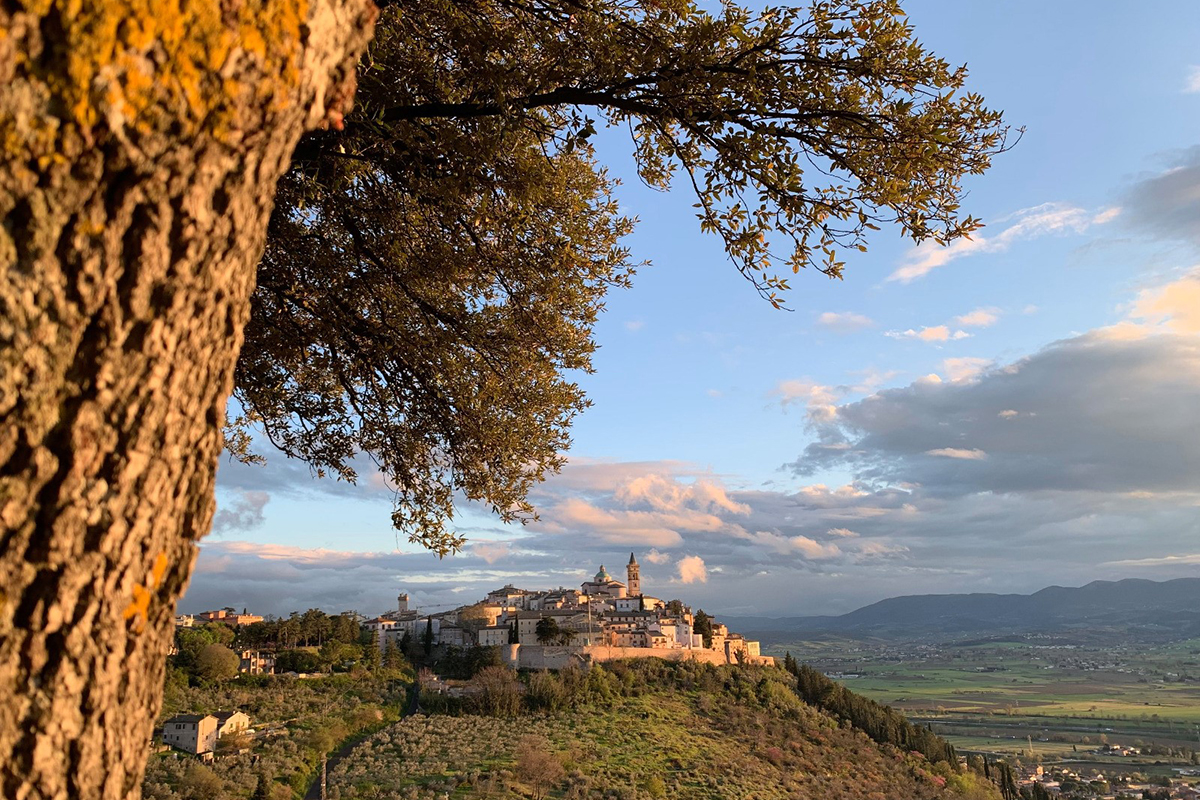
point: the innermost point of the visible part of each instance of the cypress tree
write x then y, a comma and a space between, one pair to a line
261, 792
427, 637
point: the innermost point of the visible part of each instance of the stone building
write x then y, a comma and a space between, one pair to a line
230, 617
602, 613
254, 662
198, 733
191, 733
493, 635
231, 722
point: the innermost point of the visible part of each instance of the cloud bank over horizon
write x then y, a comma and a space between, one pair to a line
948, 481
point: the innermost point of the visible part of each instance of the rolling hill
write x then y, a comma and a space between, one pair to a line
649, 730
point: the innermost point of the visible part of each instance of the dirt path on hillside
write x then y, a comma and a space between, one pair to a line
333, 758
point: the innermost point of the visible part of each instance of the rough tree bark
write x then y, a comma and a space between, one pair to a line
141, 142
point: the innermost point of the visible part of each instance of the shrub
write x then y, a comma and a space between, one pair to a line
499, 692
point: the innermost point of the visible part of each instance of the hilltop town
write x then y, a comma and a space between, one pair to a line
603, 619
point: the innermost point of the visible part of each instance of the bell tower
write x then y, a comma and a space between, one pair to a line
634, 580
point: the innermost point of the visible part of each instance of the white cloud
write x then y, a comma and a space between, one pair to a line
655, 557
243, 513
491, 552
652, 504
817, 398
293, 554
1029, 223
936, 333
845, 321
634, 325
965, 368
844, 533
617, 526
780, 544
1174, 306
1161, 561
664, 493
1191, 84
957, 452
813, 549
692, 570
1008, 413
979, 318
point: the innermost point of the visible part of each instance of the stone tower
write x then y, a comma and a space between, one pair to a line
402, 601
634, 582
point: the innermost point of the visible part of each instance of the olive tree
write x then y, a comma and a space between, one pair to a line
142, 142
434, 270
434, 263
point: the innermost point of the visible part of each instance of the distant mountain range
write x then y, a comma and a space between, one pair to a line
1149, 609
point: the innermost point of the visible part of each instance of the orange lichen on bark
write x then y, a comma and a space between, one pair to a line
145, 66
139, 608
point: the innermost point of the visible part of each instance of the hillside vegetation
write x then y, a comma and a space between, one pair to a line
297, 721
641, 729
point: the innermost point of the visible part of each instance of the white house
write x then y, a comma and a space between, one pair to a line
231, 722
192, 733
198, 733
493, 635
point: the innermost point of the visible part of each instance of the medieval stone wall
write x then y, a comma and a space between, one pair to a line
557, 657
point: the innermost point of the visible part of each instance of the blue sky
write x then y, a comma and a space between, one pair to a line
1000, 415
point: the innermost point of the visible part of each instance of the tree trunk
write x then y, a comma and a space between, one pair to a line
141, 143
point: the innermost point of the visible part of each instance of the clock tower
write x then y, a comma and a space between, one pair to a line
634, 580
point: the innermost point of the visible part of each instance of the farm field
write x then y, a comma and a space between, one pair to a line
1065, 699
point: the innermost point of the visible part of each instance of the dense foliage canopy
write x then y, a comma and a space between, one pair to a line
434, 270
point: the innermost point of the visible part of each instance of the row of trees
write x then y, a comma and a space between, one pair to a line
501, 691
208, 654
880, 722
310, 628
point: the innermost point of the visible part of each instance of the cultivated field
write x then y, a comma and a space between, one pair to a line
1056, 698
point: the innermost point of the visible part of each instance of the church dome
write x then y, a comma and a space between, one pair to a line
602, 576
